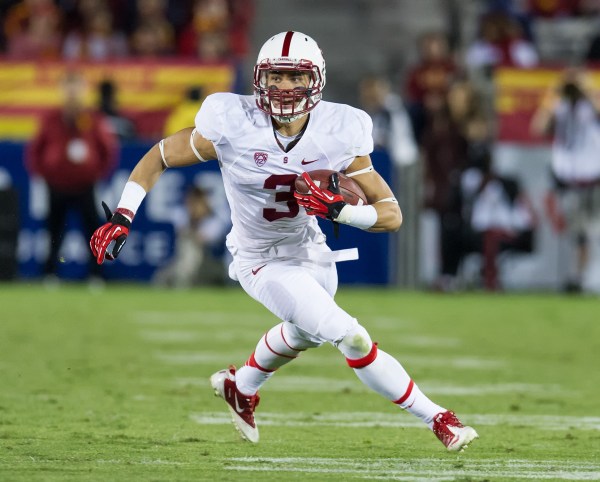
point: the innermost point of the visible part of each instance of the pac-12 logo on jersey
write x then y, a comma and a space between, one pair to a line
260, 158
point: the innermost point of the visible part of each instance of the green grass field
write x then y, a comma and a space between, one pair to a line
113, 386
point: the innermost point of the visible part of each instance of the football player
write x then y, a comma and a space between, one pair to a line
262, 143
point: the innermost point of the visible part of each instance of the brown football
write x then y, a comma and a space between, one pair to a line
352, 192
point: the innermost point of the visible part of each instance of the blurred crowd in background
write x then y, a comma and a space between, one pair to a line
438, 113
207, 30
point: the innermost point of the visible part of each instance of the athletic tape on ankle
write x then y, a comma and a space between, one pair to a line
362, 217
132, 197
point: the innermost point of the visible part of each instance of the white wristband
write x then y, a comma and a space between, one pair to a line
362, 217
132, 197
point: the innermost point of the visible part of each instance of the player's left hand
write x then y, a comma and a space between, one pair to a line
325, 203
116, 229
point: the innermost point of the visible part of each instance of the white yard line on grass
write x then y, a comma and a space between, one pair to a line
171, 336
400, 419
288, 383
182, 336
313, 357
427, 341
139, 462
420, 469
199, 358
195, 317
218, 317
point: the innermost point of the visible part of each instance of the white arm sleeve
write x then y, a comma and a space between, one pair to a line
210, 119
363, 145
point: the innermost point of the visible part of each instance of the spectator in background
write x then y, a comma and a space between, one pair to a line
428, 81
445, 147
491, 215
241, 16
180, 116
121, 126
563, 8
501, 42
448, 141
209, 24
19, 15
5, 7
217, 30
592, 54
198, 233
392, 130
9, 226
71, 152
570, 112
151, 40
32, 29
153, 35
95, 39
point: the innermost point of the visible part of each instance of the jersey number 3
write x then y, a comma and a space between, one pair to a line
283, 196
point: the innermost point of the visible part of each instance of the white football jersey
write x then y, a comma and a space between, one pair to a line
576, 142
259, 176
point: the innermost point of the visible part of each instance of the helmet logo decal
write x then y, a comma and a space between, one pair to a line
260, 158
285, 51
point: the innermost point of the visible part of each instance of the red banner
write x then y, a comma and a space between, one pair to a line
518, 95
146, 91
519, 92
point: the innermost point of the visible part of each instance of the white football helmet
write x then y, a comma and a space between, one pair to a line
289, 51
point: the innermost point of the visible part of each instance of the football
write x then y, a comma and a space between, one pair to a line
352, 192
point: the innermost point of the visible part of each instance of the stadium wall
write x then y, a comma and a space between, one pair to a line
151, 241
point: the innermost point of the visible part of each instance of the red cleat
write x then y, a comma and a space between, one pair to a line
241, 406
453, 434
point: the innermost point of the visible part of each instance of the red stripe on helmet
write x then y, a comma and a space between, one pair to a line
285, 51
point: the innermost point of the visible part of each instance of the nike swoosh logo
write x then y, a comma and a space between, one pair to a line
304, 162
117, 230
238, 409
329, 198
254, 271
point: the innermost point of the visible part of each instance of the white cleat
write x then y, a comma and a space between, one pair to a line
241, 406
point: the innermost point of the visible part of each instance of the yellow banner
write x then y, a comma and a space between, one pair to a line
28, 89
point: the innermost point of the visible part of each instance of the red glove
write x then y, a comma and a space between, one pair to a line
116, 229
326, 203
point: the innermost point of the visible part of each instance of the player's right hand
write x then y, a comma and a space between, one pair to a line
116, 229
325, 203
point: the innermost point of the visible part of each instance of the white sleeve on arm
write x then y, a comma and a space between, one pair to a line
210, 118
358, 136
363, 137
